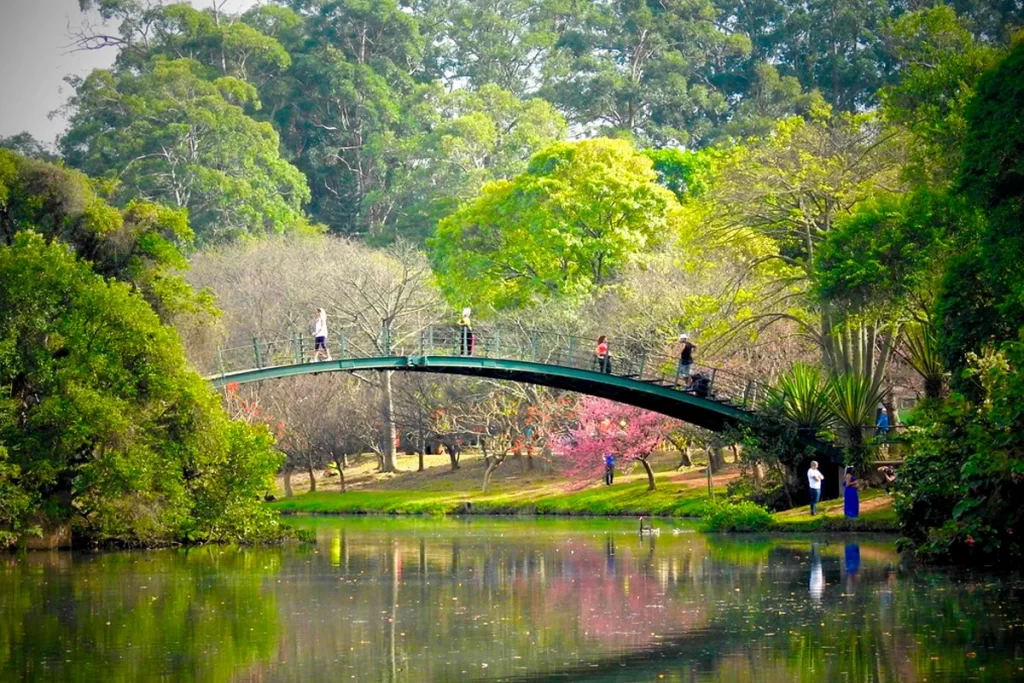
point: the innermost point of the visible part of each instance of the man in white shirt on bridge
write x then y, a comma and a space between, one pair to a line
814, 477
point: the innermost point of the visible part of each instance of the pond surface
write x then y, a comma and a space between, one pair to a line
381, 599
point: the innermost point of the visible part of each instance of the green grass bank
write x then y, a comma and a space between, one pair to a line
620, 499
517, 490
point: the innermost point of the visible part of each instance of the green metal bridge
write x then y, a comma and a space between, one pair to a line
639, 375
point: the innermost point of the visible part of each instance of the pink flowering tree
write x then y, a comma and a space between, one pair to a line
631, 434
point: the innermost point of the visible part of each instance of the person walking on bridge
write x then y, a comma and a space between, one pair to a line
319, 330
686, 357
602, 356
465, 333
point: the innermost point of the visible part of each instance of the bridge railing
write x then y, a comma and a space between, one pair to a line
650, 364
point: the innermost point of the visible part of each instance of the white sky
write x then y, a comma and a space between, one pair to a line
35, 58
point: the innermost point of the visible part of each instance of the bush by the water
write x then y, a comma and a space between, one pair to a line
742, 516
104, 428
960, 492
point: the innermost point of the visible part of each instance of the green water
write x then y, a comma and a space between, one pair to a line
382, 599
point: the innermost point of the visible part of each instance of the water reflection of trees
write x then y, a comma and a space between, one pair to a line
604, 604
439, 601
199, 615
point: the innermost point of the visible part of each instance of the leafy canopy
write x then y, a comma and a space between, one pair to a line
104, 423
173, 134
580, 212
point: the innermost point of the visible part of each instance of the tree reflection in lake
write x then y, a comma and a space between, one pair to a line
438, 600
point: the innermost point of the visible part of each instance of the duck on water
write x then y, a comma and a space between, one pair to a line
648, 530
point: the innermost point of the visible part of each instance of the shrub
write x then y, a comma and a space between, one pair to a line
743, 516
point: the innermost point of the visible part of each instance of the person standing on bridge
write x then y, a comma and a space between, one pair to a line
465, 333
319, 329
686, 357
602, 356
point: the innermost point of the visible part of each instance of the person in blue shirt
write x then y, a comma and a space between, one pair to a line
609, 468
882, 426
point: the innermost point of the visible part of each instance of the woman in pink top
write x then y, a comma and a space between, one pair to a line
602, 358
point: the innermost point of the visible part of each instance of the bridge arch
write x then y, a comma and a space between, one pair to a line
643, 377
709, 413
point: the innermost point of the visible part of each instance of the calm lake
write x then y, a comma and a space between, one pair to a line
382, 599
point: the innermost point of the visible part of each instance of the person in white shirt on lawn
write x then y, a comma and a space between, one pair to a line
814, 477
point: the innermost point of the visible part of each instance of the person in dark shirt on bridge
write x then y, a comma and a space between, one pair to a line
700, 386
686, 357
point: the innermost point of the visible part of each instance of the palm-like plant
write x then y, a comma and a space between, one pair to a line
853, 399
804, 398
923, 355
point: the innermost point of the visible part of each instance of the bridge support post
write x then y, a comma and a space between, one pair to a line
643, 362
341, 336
220, 360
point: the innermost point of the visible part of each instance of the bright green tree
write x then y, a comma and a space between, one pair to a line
173, 134
580, 212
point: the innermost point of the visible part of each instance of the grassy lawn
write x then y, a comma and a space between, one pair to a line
518, 489
515, 489
876, 514
631, 498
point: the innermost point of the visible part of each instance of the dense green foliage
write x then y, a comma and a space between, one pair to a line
743, 516
176, 135
103, 426
581, 212
363, 95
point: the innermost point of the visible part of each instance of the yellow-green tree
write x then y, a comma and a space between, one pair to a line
580, 212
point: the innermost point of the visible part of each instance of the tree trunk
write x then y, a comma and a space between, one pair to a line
339, 461
453, 455
312, 475
684, 458
421, 449
491, 466
288, 482
388, 415
650, 473
716, 461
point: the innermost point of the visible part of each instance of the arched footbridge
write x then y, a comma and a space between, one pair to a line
637, 376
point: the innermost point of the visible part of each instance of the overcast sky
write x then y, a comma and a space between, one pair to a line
35, 59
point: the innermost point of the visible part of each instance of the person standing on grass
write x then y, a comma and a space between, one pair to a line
609, 469
851, 499
319, 330
814, 479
